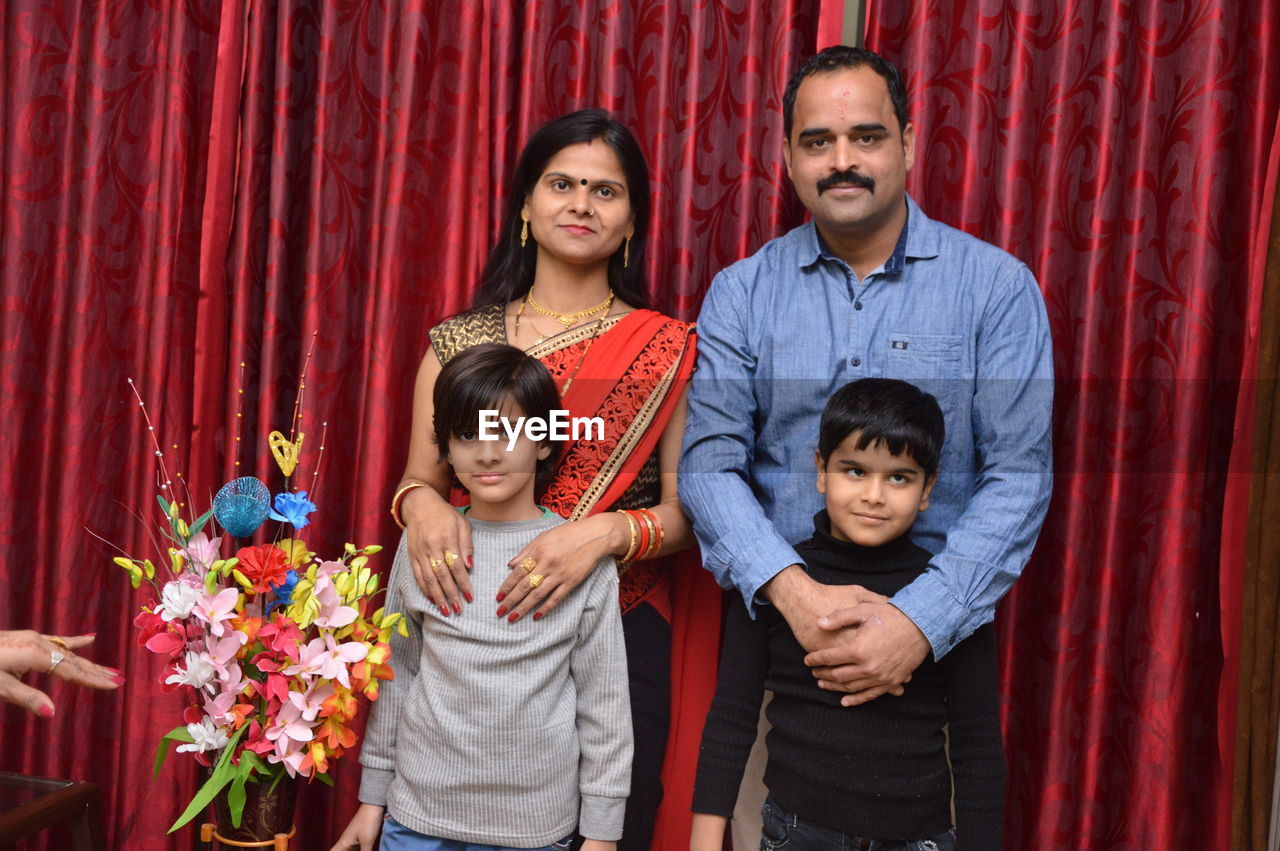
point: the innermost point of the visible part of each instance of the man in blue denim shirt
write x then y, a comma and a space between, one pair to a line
870, 287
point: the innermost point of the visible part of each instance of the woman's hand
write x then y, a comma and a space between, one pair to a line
27, 650
439, 548
362, 833
563, 557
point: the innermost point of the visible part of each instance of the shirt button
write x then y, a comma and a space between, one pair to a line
856, 361
857, 305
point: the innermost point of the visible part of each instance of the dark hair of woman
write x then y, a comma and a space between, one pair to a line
508, 273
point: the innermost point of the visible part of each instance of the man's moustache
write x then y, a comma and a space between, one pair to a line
847, 178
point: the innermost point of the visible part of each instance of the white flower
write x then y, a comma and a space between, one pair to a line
207, 736
177, 600
199, 673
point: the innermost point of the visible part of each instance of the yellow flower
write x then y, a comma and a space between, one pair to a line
295, 550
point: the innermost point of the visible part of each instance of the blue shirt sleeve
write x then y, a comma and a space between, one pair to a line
740, 546
1012, 407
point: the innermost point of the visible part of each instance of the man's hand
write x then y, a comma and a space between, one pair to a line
803, 602
877, 657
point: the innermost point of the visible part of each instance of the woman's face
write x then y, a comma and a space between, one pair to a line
580, 210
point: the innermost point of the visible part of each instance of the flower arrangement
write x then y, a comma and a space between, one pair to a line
274, 643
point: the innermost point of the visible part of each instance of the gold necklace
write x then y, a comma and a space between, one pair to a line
595, 332
567, 319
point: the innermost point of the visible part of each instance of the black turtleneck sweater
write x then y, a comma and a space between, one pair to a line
878, 770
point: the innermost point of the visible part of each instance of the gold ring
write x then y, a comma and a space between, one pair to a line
450, 557
535, 579
527, 564
61, 642
436, 564
56, 658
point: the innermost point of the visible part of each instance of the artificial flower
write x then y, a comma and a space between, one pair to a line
207, 736
332, 614
202, 552
293, 508
263, 565
216, 609
198, 673
282, 594
324, 657
177, 598
295, 550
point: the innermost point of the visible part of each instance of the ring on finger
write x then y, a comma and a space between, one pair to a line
527, 564
450, 557
56, 658
436, 565
61, 642
535, 579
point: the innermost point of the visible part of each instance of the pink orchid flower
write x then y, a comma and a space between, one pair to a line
222, 654
332, 615
323, 657
217, 609
201, 552
312, 701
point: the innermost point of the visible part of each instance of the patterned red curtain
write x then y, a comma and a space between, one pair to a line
192, 186
1119, 147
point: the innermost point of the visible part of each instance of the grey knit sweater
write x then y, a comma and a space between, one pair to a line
503, 733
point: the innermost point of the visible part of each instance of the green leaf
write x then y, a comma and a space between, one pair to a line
325, 779
164, 505
235, 795
222, 775
199, 524
177, 734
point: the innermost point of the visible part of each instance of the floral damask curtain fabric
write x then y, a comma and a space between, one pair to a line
193, 193
1119, 148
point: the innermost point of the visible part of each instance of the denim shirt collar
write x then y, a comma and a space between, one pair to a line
918, 241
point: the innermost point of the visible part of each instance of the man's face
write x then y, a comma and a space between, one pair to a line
847, 156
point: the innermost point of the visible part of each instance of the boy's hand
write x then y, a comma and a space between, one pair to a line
707, 832
362, 833
598, 845
880, 654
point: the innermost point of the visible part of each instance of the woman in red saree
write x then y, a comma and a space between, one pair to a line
564, 282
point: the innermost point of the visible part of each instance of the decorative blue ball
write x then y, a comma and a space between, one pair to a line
242, 505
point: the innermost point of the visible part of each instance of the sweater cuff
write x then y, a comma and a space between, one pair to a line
601, 818
374, 783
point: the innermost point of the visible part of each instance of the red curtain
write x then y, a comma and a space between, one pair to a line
1119, 147
192, 186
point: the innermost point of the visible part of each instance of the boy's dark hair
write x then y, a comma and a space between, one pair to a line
838, 57
485, 377
899, 415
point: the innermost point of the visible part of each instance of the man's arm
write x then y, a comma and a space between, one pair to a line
739, 544
1012, 432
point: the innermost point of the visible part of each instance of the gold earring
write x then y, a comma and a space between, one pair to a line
524, 232
626, 253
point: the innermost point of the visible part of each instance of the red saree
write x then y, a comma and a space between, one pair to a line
630, 372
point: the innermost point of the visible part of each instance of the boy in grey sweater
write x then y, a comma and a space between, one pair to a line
495, 733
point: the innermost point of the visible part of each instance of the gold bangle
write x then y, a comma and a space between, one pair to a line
395, 500
635, 534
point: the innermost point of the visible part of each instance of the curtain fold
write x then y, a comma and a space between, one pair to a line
189, 188
1119, 147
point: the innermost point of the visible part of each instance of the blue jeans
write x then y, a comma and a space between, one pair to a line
397, 837
784, 830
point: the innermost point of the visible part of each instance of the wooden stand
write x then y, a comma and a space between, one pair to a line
29, 805
280, 842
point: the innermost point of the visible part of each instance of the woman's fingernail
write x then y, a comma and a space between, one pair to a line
502, 610
91, 635
45, 711
468, 596
431, 600
470, 562
457, 608
118, 680
537, 616
444, 611
115, 671
513, 617
500, 596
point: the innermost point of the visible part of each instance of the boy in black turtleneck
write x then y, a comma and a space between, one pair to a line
874, 776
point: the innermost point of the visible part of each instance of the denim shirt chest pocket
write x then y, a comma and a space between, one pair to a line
939, 364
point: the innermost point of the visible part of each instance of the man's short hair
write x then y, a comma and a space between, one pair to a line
484, 378
897, 414
836, 58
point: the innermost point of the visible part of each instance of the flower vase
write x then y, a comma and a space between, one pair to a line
267, 811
